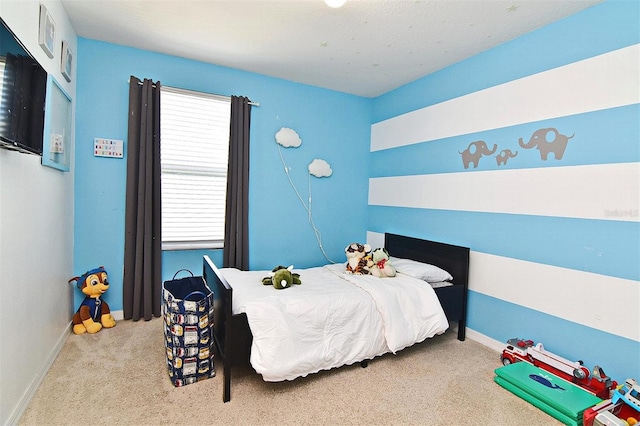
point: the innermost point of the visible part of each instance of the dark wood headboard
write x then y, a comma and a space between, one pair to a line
451, 258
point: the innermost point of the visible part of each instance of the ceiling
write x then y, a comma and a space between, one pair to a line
366, 47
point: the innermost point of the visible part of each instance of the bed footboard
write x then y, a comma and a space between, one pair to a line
231, 333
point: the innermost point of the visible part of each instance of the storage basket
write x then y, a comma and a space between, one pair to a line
188, 328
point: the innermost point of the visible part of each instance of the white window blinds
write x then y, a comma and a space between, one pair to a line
194, 150
4, 94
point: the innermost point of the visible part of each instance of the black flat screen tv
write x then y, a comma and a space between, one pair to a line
23, 91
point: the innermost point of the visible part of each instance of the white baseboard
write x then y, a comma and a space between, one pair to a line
31, 390
485, 340
17, 413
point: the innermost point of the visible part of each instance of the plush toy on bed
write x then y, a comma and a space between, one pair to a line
382, 267
94, 313
358, 258
281, 277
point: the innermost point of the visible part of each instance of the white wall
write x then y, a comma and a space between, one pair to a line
36, 238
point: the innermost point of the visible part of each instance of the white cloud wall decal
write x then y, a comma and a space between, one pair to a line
320, 168
288, 138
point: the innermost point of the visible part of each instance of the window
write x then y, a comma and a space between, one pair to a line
194, 151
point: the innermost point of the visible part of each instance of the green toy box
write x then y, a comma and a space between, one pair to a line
555, 396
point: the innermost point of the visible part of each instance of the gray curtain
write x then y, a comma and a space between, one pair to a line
236, 229
142, 281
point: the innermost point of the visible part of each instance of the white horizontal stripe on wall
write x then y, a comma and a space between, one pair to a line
605, 303
601, 191
605, 81
563, 293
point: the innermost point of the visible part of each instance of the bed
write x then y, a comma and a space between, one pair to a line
234, 337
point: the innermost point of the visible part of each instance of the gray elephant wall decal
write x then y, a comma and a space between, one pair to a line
546, 141
504, 156
475, 151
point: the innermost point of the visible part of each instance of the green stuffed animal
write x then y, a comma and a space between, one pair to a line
281, 277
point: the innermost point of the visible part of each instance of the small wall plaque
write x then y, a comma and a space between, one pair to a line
108, 148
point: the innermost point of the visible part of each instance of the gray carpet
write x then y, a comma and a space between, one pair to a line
118, 377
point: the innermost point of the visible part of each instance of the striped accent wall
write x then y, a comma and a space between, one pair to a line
554, 232
605, 81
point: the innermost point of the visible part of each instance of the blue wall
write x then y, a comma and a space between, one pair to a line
333, 126
563, 247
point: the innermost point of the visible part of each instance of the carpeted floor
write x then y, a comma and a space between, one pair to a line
118, 377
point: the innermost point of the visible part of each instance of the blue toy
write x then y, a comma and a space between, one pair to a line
93, 313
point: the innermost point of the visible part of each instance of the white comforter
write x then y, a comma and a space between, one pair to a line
332, 318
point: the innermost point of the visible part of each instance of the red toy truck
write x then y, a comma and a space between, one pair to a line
596, 382
622, 409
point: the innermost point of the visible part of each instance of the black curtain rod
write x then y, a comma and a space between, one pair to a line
221, 96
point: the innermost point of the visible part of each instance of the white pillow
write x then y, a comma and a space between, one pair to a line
420, 270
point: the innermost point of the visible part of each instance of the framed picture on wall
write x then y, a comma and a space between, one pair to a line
47, 32
58, 135
66, 61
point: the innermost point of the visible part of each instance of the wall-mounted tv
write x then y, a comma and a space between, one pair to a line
23, 89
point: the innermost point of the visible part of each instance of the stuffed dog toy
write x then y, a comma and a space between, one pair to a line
93, 313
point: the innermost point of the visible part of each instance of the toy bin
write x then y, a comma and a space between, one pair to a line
187, 309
